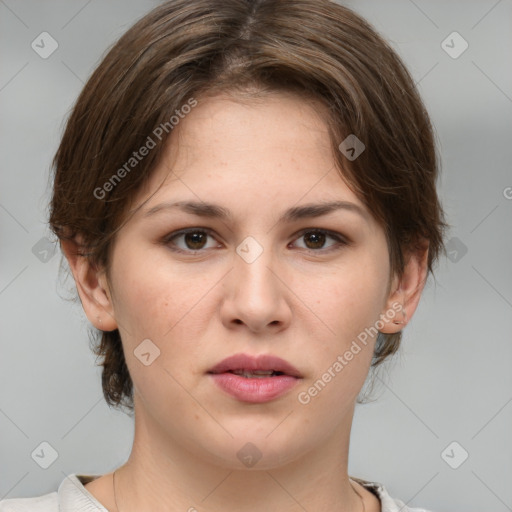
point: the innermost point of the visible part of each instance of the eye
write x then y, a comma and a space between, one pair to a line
193, 239
315, 239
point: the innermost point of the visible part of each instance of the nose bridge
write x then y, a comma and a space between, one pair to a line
256, 296
253, 264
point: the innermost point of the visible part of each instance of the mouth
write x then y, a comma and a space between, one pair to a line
261, 374
255, 379
256, 367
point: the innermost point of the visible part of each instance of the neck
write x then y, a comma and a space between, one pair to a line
162, 473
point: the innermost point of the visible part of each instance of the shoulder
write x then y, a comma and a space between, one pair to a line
46, 503
388, 504
70, 496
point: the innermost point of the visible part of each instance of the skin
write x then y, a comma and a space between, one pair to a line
300, 300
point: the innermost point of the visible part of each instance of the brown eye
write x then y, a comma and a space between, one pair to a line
190, 240
195, 240
314, 239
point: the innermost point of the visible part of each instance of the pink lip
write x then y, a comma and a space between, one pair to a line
262, 362
257, 389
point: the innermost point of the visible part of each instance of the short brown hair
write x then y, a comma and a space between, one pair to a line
187, 48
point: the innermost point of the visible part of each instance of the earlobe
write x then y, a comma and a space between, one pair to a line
406, 292
92, 287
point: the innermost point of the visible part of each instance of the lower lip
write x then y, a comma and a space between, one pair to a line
254, 390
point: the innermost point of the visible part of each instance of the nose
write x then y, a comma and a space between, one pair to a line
256, 294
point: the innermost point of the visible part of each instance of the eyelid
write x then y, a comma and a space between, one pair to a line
338, 237
175, 234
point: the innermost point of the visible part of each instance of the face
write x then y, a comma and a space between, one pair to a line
258, 280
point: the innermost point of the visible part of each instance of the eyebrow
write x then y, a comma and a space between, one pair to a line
209, 210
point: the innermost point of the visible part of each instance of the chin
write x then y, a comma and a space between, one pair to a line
256, 452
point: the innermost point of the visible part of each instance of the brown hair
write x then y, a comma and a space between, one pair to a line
185, 48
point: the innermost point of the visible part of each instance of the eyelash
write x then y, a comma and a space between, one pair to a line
341, 241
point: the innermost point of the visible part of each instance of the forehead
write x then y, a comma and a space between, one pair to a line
274, 126
263, 149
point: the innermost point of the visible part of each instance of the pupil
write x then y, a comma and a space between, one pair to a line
318, 239
191, 239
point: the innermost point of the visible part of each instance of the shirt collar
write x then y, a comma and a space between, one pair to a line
74, 497
387, 503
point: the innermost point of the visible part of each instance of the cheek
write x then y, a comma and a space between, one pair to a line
351, 299
157, 302
152, 296
342, 357
349, 303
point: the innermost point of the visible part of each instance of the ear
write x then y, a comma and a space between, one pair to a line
405, 291
92, 287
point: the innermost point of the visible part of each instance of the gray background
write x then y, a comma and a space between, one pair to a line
452, 380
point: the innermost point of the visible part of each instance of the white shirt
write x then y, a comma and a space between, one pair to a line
72, 496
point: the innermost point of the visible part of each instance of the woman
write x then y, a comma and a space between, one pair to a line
246, 196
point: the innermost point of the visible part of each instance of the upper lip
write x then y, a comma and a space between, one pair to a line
250, 363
